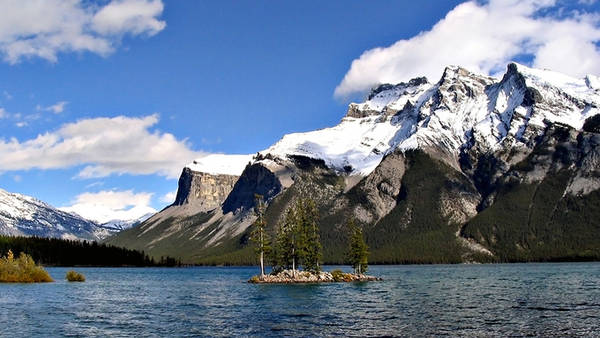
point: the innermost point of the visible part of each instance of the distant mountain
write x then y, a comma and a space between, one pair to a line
470, 168
117, 225
22, 215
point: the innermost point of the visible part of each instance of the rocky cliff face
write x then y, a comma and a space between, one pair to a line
256, 179
470, 168
546, 206
205, 191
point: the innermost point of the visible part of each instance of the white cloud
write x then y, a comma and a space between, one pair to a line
21, 124
129, 16
109, 205
169, 197
105, 146
44, 28
484, 38
3, 113
7, 95
56, 108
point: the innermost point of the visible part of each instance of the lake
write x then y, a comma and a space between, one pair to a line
549, 299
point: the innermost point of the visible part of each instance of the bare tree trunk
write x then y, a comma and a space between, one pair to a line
262, 252
294, 262
262, 264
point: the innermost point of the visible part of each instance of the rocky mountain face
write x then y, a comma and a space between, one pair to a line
203, 190
470, 168
22, 215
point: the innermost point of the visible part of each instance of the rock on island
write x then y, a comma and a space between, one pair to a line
291, 277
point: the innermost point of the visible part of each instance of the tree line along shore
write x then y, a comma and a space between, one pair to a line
22, 258
61, 252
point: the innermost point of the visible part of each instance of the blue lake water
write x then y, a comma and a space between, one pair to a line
463, 300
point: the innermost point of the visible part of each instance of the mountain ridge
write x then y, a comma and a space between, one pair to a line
22, 215
469, 131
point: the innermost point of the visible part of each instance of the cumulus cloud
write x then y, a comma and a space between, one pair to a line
110, 205
104, 146
3, 113
484, 37
44, 28
132, 16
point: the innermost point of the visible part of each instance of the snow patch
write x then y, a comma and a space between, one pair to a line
221, 164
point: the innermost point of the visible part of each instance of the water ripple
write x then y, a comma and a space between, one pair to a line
442, 300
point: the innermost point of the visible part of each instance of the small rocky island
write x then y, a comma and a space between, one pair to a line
297, 242
289, 277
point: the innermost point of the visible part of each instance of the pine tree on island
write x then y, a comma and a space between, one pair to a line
358, 251
259, 235
287, 250
298, 241
309, 216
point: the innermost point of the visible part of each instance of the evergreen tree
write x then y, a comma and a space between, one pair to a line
358, 251
61, 252
312, 244
298, 239
259, 235
290, 241
280, 258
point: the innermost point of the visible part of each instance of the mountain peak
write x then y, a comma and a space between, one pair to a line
461, 108
399, 86
453, 74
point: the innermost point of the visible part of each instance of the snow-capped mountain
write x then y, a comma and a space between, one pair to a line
117, 225
469, 168
463, 109
22, 215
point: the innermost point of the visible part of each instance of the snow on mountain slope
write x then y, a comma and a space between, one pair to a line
120, 225
362, 138
221, 164
462, 109
22, 215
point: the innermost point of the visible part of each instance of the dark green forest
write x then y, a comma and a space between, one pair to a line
528, 222
60, 252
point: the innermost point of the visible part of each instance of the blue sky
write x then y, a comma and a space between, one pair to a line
225, 77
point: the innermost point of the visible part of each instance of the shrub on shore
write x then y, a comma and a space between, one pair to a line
73, 276
338, 275
22, 270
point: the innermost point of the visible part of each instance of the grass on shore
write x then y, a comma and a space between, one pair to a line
22, 270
